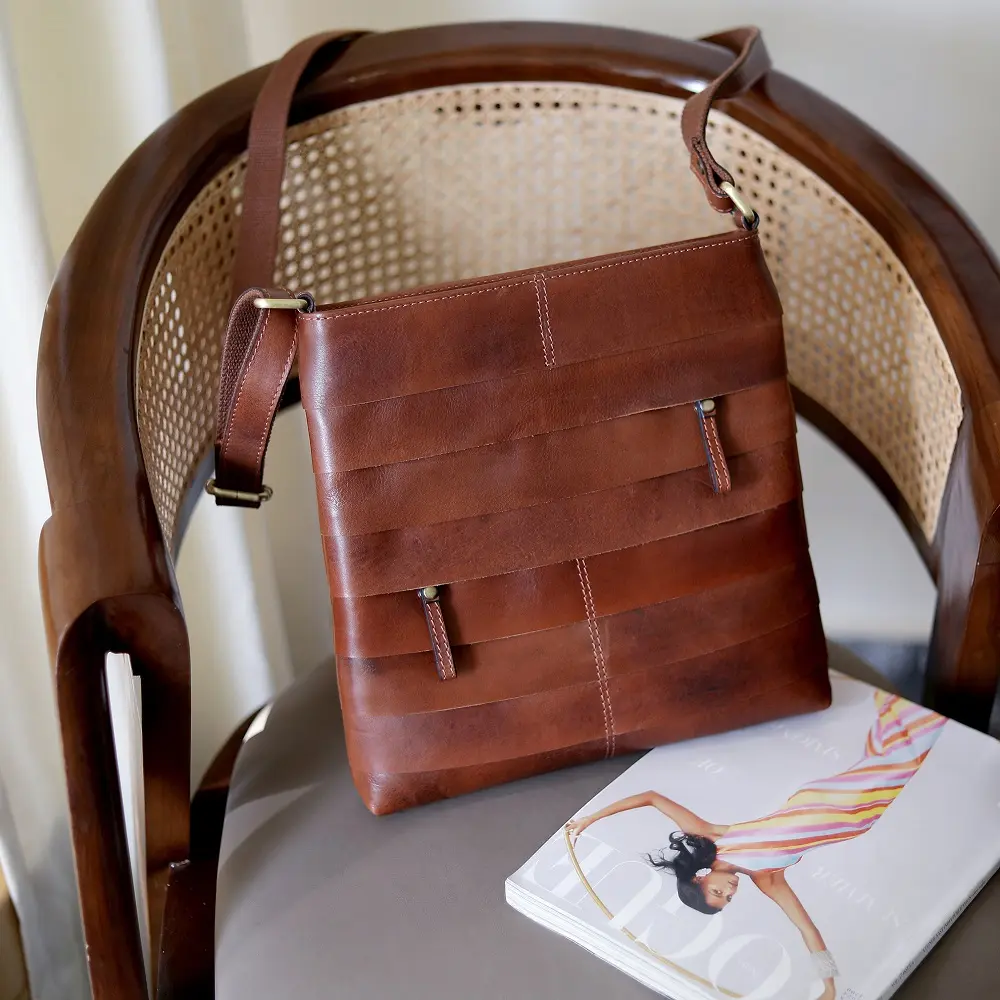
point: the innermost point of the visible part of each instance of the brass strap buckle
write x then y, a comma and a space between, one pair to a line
239, 496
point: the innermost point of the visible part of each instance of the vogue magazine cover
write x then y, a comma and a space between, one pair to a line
816, 857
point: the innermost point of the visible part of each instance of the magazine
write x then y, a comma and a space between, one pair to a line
814, 858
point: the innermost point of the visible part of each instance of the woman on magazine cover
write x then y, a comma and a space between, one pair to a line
708, 858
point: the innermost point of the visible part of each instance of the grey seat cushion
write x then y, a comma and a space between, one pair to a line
319, 899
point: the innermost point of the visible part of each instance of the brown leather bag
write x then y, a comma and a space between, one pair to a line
561, 508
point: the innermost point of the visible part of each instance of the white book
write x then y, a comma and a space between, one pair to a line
125, 698
820, 856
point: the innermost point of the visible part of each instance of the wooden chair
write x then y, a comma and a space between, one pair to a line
424, 156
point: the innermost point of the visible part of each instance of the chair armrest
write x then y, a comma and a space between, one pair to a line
107, 586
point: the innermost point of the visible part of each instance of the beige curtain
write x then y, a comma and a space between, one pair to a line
82, 82
33, 846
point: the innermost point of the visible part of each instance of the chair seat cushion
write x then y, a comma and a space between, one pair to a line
319, 899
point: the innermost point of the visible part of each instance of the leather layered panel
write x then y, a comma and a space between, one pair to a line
547, 467
406, 789
658, 634
722, 690
645, 299
731, 688
398, 347
548, 596
584, 525
525, 453
516, 407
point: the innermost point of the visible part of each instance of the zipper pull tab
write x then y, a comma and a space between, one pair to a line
430, 598
717, 467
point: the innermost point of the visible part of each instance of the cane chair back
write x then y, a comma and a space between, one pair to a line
433, 155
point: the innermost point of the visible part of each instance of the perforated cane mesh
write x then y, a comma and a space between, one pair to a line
446, 184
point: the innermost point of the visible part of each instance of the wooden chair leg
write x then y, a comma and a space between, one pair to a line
964, 665
187, 941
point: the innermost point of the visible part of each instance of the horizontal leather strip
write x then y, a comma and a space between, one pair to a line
386, 793
555, 532
481, 734
378, 352
670, 294
546, 270
780, 674
682, 628
549, 596
436, 423
807, 691
536, 319
776, 674
548, 467
484, 672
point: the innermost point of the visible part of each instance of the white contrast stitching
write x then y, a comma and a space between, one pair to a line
445, 658
435, 643
431, 301
721, 469
435, 649
447, 286
652, 256
541, 322
547, 329
348, 314
602, 670
722, 455
713, 463
448, 657
435, 639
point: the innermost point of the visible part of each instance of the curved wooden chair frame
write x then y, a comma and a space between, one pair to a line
107, 576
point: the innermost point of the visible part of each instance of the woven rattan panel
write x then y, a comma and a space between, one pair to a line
439, 185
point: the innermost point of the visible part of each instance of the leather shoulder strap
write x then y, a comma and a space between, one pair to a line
260, 343
751, 63
257, 244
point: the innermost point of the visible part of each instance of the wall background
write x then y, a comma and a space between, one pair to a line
82, 83
920, 71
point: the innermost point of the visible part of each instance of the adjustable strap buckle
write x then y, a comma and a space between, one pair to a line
239, 497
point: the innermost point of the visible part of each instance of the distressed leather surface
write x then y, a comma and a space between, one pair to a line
529, 445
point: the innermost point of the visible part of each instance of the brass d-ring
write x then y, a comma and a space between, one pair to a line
303, 303
239, 496
751, 220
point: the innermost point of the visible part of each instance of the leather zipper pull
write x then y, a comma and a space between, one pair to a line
717, 467
430, 598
